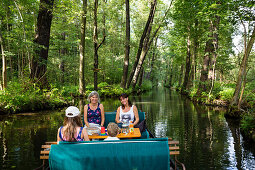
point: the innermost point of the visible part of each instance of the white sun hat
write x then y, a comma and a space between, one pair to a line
72, 111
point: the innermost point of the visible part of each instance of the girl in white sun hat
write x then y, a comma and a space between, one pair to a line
72, 129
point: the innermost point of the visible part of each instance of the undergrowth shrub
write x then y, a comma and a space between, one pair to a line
226, 93
248, 123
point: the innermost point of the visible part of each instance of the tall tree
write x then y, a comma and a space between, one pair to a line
147, 41
127, 47
242, 69
243, 11
42, 37
141, 43
96, 44
210, 55
4, 64
188, 64
82, 50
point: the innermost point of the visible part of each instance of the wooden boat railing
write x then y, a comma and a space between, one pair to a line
174, 150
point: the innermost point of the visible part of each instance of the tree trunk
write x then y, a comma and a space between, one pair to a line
141, 77
138, 54
171, 73
96, 45
180, 78
187, 71
42, 37
127, 47
24, 35
9, 27
242, 91
95, 39
195, 55
203, 85
242, 70
63, 52
146, 44
209, 50
215, 26
4, 64
151, 75
82, 50
145, 49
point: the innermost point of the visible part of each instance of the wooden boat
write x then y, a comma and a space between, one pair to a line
144, 143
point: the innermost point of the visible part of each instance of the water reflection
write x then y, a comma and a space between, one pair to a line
207, 139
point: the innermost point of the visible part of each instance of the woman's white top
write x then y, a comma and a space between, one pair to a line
127, 115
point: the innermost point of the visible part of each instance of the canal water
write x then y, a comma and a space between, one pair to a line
207, 139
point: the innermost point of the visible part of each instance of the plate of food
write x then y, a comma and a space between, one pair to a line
93, 130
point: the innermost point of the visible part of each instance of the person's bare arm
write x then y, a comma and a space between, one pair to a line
85, 135
102, 114
136, 115
58, 138
117, 118
85, 116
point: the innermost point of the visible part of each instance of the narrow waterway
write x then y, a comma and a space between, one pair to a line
207, 139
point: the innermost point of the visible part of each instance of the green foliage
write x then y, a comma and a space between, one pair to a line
103, 85
111, 90
248, 123
146, 85
226, 93
192, 92
20, 98
68, 91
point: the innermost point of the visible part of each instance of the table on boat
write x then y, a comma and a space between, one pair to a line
136, 134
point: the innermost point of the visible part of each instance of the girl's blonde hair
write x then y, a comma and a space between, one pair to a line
71, 123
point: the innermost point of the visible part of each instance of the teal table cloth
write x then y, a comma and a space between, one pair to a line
137, 154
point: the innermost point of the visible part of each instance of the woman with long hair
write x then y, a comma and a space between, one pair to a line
94, 111
72, 129
126, 112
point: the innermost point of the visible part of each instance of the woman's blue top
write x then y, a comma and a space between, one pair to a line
78, 138
94, 116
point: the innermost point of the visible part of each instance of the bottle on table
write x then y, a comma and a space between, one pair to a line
131, 127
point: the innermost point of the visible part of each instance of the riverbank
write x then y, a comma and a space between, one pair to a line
222, 98
19, 98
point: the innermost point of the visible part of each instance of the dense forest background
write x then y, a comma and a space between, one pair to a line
53, 50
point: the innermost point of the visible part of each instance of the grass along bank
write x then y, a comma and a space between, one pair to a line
25, 97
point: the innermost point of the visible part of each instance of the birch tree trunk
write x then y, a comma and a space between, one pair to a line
95, 40
82, 50
242, 70
4, 64
150, 18
145, 49
127, 47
